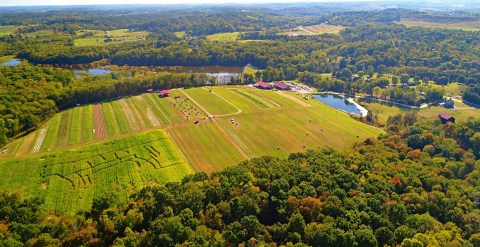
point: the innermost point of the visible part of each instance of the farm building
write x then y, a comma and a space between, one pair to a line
263, 85
445, 118
281, 86
164, 93
149, 90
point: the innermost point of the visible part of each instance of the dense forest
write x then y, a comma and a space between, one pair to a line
418, 185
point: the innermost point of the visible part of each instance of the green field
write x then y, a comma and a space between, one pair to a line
180, 34
224, 36
205, 146
69, 180
315, 30
381, 111
98, 37
211, 102
460, 115
467, 26
63, 164
7, 30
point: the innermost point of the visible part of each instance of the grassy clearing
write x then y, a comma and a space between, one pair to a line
224, 36
9, 29
460, 115
69, 180
315, 30
180, 34
324, 28
467, 26
381, 111
205, 146
211, 102
99, 37
87, 123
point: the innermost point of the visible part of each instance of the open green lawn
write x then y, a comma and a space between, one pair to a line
451, 90
460, 115
224, 36
69, 180
116, 36
211, 102
381, 111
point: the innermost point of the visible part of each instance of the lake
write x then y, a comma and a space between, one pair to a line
341, 103
13, 62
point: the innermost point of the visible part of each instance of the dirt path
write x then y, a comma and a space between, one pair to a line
224, 133
99, 122
296, 100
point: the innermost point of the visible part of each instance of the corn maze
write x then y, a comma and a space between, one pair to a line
69, 180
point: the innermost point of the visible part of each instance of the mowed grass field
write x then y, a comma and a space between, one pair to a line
117, 36
270, 123
467, 26
69, 180
461, 115
224, 36
315, 30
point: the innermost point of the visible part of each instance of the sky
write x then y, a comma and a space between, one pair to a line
96, 2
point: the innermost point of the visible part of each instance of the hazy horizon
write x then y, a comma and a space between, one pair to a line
13, 3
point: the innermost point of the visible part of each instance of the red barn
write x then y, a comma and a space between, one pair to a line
446, 118
263, 85
281, 86
164, 93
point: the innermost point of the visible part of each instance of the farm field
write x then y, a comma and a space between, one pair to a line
315, 30
235, 123
87, 124
69, 180
284, 131
116, 36
224, 36
213, 103
467, 26
205, 147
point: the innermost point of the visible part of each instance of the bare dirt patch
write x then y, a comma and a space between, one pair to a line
99, 122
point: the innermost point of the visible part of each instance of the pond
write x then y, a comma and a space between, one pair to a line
13, 62
223, 74
98, 71
342, 103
